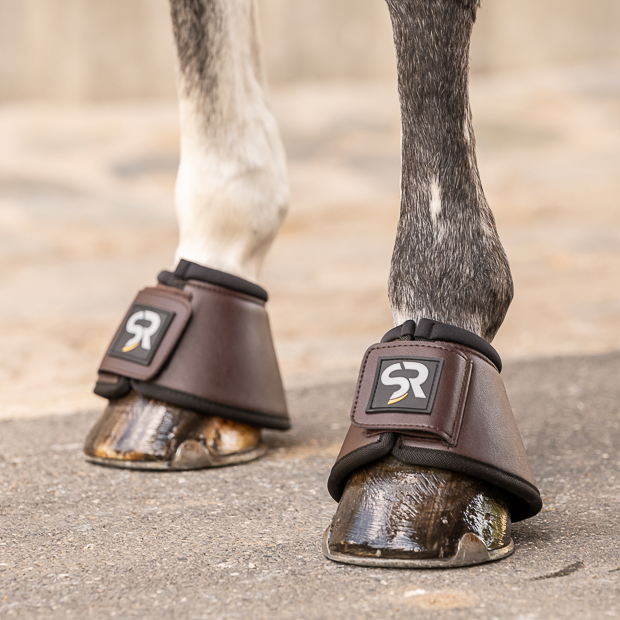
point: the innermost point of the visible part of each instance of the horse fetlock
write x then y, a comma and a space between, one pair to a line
228, 220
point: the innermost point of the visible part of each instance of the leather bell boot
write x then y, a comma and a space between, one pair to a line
433, 470
191, 376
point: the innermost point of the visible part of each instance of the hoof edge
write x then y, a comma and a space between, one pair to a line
187, 457
470, 552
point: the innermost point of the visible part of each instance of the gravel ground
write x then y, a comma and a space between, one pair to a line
81, 541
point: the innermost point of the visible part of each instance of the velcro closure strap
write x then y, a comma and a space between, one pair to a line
148, 333
417, 388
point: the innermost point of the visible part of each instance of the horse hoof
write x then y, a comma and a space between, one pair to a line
136, 432
396, 515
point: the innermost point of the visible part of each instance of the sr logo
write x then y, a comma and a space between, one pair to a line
141, 333
405, 384
403, 391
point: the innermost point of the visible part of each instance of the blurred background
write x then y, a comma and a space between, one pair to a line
89, 149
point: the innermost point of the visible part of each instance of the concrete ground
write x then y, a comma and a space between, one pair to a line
82, 541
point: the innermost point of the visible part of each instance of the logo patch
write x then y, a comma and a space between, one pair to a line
141, 334
405, 385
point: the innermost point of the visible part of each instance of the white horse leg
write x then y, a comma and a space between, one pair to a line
231, 197
232, 190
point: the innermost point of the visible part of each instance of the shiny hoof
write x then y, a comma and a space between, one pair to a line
136, 432
406, 516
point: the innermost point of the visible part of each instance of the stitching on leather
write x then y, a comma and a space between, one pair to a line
213, 288
199, 400
422, 427
152, 291
391, 345
461, 408
475, 353
420, 343
359, 383
467, 458
154, 368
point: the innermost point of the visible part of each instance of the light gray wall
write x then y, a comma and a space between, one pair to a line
526, 33
85, 48
97, 49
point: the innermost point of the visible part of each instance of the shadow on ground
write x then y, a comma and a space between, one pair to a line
81, 541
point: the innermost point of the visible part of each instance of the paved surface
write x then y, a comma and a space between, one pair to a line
81, 541
86, 219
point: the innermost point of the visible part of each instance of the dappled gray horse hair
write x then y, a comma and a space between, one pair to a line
448, 263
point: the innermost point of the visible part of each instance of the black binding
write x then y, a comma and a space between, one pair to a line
428, 329
523, 497
359, 457
112, 391
186, 270
208, 407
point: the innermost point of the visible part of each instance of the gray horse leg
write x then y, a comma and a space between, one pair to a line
448, 262
412, 490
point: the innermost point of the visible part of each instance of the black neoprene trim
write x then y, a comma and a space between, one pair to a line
428, 329
112, 391
524, 497
354, 460
186, 270
208, 407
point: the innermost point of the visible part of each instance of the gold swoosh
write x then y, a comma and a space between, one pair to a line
397, 400
131, 348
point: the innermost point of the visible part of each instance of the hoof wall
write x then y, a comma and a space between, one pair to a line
140, 433
396, 515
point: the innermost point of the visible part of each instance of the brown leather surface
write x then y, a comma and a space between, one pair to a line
226, 354
216, 356
489, 433
485, 429
166, 298
447, 413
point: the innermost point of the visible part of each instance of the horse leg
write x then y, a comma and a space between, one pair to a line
231, 197
232, 189
448, 267
448, 262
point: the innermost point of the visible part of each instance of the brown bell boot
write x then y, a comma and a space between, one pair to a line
191, 376
432, 472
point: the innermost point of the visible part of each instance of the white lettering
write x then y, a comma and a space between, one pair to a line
141, 335
386, 379
416, 382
